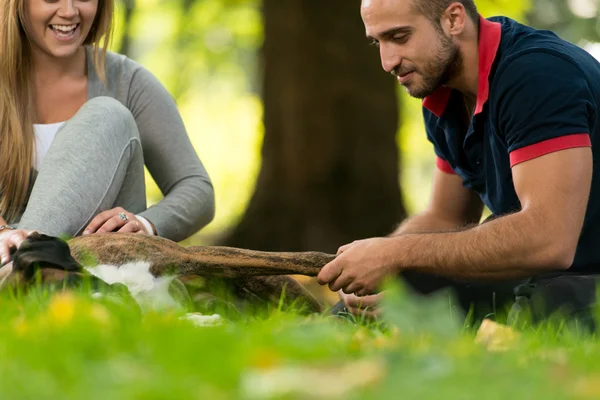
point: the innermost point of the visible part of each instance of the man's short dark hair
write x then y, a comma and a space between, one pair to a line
433, 9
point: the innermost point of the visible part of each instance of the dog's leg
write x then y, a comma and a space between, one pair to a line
169, 258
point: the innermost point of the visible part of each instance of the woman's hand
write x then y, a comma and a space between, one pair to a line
116, 220
11, 239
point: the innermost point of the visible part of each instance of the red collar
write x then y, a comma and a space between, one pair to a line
490, 34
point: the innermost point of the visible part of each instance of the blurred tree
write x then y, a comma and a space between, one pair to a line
577, 21
330, 160
128, 11
206, 52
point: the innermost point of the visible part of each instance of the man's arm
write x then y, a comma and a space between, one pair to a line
451, 207
553, 189
552, 183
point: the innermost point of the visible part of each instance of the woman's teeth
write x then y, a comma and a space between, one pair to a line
64, 30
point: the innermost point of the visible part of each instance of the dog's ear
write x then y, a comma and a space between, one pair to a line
40, 251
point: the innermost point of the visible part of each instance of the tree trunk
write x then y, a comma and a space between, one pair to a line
125, 47
330, 160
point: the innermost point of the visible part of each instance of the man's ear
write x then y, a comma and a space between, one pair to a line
454, 19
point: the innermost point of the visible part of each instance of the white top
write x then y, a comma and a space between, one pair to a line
44, 136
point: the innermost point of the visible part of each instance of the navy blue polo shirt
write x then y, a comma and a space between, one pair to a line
537, 94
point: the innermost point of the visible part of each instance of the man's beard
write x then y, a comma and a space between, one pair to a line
445, 65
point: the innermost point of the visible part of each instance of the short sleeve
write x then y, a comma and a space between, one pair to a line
543, 104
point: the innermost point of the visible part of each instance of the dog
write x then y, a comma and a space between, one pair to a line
150, 267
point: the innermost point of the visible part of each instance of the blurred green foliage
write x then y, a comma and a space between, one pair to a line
207, 54
575, 20
71, 346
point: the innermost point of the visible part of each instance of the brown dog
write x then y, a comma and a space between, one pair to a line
148, 265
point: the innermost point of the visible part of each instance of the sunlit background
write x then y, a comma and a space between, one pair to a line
206, 52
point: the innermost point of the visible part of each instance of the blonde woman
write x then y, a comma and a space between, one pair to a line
77, 125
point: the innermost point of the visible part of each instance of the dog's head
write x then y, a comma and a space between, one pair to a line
44, 258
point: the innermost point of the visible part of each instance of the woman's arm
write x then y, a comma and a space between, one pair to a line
188, 203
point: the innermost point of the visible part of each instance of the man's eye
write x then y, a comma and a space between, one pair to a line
400, 39
374, 43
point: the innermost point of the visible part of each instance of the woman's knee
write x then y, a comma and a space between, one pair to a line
106, 114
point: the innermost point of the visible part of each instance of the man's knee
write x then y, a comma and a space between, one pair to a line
566, 298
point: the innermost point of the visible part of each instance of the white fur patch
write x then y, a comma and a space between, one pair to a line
151, 293
203, 320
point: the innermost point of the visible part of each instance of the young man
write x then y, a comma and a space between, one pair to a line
512, 113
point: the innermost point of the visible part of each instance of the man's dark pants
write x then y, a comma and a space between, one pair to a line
562, 295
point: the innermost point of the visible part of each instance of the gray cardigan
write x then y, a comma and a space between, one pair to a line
188, 203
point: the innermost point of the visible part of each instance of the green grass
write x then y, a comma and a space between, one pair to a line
71, 346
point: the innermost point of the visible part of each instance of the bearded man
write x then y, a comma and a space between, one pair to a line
512, 113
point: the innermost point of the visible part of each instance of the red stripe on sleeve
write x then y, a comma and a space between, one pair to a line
443, 165
549, 146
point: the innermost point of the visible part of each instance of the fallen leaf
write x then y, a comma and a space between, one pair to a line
312, 382
495, 336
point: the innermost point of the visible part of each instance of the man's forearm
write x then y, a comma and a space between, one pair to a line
509, 247
426, 223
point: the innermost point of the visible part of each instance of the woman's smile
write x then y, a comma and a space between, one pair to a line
65, 32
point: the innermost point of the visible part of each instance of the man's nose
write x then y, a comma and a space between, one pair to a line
390, 58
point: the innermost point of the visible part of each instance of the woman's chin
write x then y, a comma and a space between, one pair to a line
63, 52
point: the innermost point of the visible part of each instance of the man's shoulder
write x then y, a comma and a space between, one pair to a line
536, 77
539, 60
540, 47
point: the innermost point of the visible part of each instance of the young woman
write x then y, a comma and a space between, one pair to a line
77, 125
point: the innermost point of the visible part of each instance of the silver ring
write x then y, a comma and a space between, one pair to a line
123, 216
7, 227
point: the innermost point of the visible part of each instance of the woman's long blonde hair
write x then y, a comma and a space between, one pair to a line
17, 107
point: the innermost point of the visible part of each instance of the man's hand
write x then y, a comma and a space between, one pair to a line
361, 266
367, 306
11, 239
115, 220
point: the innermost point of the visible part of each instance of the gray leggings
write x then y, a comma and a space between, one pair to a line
95, 163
